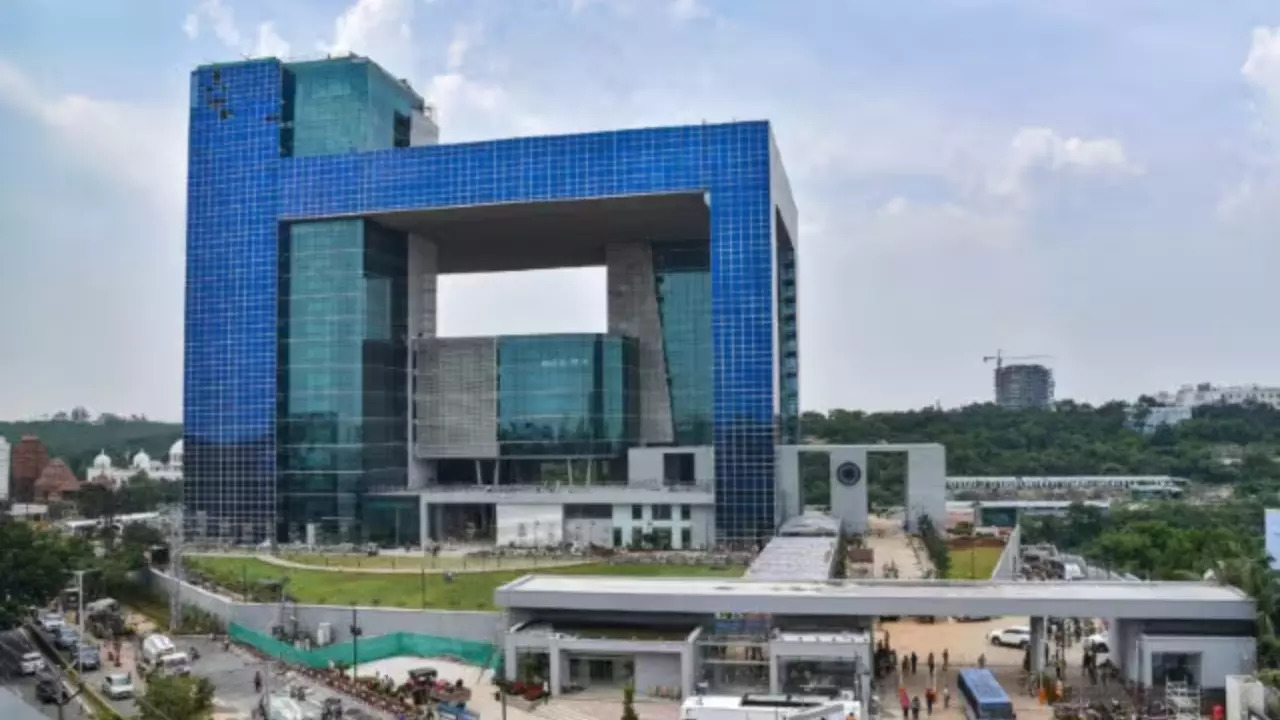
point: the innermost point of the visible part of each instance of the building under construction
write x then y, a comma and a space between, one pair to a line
1022, 386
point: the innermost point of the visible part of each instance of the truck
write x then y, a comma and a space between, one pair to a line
161, 655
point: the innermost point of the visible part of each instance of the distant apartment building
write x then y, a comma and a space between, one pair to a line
30, 457
1209, 394
4, 469
1148, 422
1023, 387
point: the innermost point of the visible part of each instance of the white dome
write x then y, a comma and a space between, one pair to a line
102, 461
175, 454
141, 461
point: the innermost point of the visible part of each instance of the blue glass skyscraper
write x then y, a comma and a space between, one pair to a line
321, 210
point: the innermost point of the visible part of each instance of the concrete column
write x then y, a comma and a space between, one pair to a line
775, 683
553, 652
1037, 645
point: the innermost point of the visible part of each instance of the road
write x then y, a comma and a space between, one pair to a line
93, 679
13, 644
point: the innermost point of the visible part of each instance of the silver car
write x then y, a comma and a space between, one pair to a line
118, 686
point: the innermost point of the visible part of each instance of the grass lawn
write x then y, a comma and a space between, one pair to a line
973, 563
432, 564
468, 591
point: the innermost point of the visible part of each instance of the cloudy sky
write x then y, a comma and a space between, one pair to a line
1094, 181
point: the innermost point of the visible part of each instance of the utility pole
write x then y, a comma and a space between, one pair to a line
80, 601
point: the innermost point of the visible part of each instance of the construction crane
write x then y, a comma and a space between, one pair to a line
1000, 357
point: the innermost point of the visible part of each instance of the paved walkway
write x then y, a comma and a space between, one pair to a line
892, 545
489, 566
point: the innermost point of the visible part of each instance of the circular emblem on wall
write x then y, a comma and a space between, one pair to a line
848, 474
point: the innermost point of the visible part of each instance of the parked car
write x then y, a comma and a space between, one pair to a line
1015, 637
32, 663
118, 686
49, 690
51, 621
66, 638
87, 657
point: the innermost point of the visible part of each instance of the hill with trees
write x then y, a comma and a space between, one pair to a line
77, 439
1071, 439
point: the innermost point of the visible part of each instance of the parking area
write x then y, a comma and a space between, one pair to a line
232, 672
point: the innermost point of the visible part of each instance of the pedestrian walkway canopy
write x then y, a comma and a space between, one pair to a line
1118, 600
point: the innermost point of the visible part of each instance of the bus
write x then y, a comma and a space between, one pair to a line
982, 696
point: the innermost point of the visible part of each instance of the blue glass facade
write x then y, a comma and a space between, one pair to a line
567, 395
259, 167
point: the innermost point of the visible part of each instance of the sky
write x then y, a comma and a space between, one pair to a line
1093, 181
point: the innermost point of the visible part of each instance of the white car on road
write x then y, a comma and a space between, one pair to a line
1015, 637
32, 663
118, 686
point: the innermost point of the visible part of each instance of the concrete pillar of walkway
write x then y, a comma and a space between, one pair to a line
1037, 645
553, 656
511, 657
775, 682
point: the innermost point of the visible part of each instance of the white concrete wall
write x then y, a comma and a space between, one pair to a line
464, 625
589, 532
530, 525
657, 670
1219, 656
633, 529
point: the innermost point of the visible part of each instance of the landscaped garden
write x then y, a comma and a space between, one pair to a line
458, 591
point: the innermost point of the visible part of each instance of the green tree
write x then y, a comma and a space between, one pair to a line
167, 698
629, 703
34, 568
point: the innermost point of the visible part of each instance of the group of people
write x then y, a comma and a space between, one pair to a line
931, 698
887, 662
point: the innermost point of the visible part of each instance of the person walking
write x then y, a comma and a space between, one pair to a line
915, 708
257, 681
946, 698
929, 662
914, 659
929, 700
982, 660
946, 659
906, 665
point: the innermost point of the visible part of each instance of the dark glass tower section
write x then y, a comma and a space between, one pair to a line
566, 395
683, 276
342, 414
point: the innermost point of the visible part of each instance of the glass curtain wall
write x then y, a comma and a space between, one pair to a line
567, 395
788, 339
342, 416
683, 271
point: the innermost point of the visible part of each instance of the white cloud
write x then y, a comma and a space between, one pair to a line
270, 44
377, 28
1261, 67
108, 136
1251, 197
685, 10
464, 36
1041, 147
220, 17
905, 225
